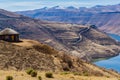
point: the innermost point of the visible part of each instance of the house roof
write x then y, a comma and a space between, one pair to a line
8, 31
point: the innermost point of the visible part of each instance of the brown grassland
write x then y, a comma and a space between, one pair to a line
22, 75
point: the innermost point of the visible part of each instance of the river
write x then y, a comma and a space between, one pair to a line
112, 63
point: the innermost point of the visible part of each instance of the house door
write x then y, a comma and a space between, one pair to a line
12, 37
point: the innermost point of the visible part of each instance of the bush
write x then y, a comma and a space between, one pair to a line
49, 75
76, 73
33, 74
29, 71
39, 78
9, 78
85, 73
108, 76
45, 49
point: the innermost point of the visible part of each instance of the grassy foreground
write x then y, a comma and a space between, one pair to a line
22, 75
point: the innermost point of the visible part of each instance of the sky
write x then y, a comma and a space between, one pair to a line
21, 5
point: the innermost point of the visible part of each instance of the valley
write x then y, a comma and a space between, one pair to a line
64, 40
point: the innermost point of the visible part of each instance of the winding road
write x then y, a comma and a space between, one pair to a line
80, 34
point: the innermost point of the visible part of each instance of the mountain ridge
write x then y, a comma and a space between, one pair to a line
109, 8
104, 17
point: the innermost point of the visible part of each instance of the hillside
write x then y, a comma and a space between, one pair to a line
41, 57
82, 41
105, 17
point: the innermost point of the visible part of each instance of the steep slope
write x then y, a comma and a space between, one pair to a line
79, 40
44, 58
105, 17
82, 41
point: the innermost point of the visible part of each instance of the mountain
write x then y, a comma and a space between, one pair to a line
86, 42
104, 17
41, 57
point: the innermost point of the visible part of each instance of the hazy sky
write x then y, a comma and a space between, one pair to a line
18, 5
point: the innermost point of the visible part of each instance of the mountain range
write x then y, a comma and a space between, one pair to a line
61, 42
83, 41
107, 18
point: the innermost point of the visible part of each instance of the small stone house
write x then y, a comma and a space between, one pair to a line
9, 35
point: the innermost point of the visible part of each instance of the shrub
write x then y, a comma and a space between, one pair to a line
39, 78
108, 76
49, 75
33, 74
29, 71
22, 74
9, 78
76, 73
85, 73
66, 68
45, 49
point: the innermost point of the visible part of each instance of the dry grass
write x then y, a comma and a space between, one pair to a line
22, 75
44, 58
27, 43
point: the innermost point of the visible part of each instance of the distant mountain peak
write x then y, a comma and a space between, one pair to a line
44, 8
71, 7
57, 7
97, 6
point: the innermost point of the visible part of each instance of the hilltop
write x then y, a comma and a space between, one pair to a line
82, 41
41, 57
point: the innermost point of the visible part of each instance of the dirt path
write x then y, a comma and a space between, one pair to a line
80, 36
